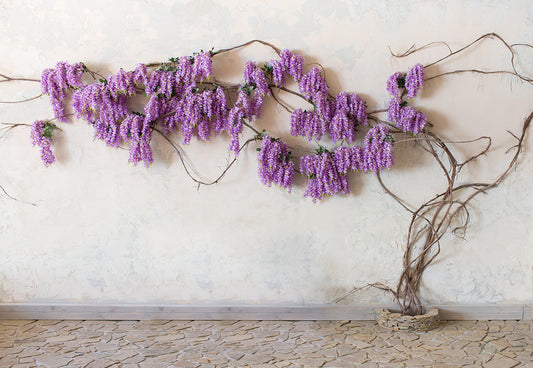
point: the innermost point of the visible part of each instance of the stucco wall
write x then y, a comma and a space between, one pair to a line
106, 232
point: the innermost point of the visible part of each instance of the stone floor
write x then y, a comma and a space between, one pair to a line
45, 343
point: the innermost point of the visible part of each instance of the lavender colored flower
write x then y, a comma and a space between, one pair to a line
394, 83
324, 178
349, 159
274, 164
341, 128
54, 84
312, 82
293, 63
234, 127
41, 135
74, 74
395, 109
136, 130
324, 106
414, 80
185, 74
259, 78
378, 151
307, 124
121, 83
251, 105
202, 66
353, 106
255, 77
220, 111
279, 73
411, 120
249, 68
140, 75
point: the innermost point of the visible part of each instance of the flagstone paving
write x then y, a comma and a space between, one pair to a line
261, 344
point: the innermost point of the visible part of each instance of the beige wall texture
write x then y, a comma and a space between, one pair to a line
103, 231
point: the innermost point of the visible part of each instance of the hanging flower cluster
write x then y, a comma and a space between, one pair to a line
41, 135
327, 171
405, 117
274, 163
55, 82
182, 96
337, 116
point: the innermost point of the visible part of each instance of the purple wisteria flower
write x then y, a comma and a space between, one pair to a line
312, 82
324, 178
103, 107
307, 124
394, 82
136, 131
274, 163
255, 77
327, 171
279, 73
293, 64
405, 117
202, 66
55, 83
378, 151
411, 120
122, 83
41, 135
414, 80
350, 109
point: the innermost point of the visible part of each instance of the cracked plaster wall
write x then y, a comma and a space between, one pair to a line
106, 232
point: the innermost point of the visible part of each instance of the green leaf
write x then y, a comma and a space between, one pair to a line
401, 81
48, 130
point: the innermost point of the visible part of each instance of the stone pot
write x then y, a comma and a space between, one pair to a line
397, 321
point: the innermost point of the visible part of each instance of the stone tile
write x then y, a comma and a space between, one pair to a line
206, 344
500, 361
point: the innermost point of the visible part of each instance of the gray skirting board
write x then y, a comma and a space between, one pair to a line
246, 312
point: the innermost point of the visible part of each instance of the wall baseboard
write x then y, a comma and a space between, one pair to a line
246, 312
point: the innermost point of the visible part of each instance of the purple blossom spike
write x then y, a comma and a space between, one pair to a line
185, 75
414, 80
220, 110
249, 68
341, 128
411, 120
121, 83
274, 164
378, 151
278, 73
202, 67
293, 63
324, 178
393, 84
395, 109
312, 82
39, 138
74, 74
325, 107
234, 127
140, 75
307, 124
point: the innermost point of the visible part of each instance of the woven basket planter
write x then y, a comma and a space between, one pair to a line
397, 321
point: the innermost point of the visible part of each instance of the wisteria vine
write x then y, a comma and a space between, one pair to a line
184, 97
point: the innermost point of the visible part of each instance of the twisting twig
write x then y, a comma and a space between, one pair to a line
246, 44
12, 79
193, 178
21, 101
